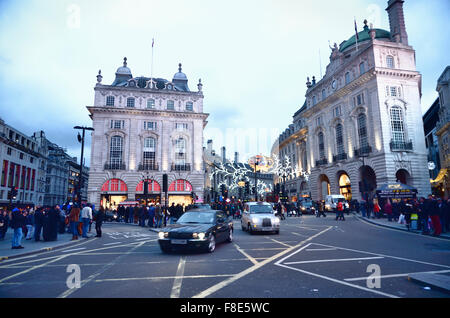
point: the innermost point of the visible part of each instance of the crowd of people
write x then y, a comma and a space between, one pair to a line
45, 223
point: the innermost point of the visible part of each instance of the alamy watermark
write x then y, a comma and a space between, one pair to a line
74, 279
73, 20
374, 279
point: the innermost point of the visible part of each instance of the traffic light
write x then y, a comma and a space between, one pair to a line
145, 187
14, 192
222, 189
247, 188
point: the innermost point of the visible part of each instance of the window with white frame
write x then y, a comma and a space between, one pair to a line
181, 126
189, 106
358, 99
170, 105
151, 103
130, 102
117, 124
347, 78
339, 139
362, 130
180, 151
362, 68
337, 111
115, 151
397, 124
149, 125
149, 152
393, 91
321, 145
389, 61
110, 100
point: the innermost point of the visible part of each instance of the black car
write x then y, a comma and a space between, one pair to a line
201, 229
307, 207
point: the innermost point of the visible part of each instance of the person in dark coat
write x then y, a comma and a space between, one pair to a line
4, 224
17, 223
99, 217
38, 223
51, 224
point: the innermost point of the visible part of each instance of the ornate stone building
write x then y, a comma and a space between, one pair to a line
364, 116
145, 128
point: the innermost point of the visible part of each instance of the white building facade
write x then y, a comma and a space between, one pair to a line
145, 128
364, 116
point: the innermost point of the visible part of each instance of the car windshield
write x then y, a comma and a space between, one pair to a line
261, 209
197, 217
307, 203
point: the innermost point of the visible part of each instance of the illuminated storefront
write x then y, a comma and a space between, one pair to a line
180, 192
153, 194
113, 192
345, 186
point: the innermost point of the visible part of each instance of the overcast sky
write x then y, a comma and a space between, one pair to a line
253, 57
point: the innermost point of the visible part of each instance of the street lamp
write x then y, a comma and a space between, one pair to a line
80, 177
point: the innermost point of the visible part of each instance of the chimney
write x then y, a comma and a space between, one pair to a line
236, 157
224, 154
397, 21
209, 146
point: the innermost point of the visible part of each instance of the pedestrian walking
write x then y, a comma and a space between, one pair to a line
340, 211
151, 216
50, 227
99, 218
86, 217
17, 223
158, 215
74, 219
321, 208
435, 216
388, 210
29, 224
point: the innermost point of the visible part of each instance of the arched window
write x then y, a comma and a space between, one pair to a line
153, 186
397, 125
115, 152
110, 101
390, 61
339, 139
323, 94
151, 103
347, 78
362, 68
180, 185
130, 102
114, 185
149, 154
362, 131
321, 145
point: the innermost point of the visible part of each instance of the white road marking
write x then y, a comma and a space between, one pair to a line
240, 250
74, 249
320, 249
160, 278
176, 288
276, 241
334, 260
107, 244
279, 263
395, 275
250, 270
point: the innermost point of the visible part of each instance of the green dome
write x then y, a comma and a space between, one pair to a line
364, 36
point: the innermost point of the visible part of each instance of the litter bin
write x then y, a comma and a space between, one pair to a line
414, 220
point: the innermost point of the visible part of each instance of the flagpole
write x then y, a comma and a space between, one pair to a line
356, 34
151, 72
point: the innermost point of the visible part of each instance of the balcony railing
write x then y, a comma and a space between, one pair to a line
148, 167
321, 162
340, 157
181, 167
401, 145
114, 166
363, 151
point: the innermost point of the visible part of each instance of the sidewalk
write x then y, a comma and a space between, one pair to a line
31, 246
394, 225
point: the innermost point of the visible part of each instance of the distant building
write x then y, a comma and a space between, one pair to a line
430, 120
21, 159
74, 179
146, 128
443, 134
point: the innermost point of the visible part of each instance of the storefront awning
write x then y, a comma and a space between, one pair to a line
440, 177
396, 190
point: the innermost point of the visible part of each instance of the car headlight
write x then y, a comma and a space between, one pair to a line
276, 220
163, 235
303, 209
201, 236
194, 235
254, 220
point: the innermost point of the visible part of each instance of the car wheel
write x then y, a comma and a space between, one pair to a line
277, 232
230, 236
211, 244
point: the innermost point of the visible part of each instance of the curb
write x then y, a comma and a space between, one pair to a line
42, 250
431, 280
398, 229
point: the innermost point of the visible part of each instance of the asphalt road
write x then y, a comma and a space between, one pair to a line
311, 257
